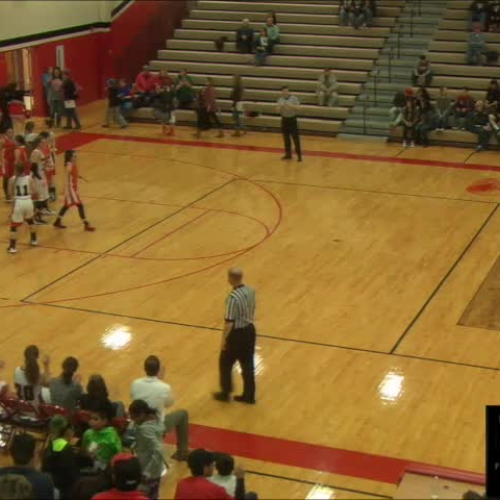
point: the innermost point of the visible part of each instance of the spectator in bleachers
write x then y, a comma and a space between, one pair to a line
237, 96
184, 90
411, 117
113, 110
164, 107
66, 389
426, 123
244, 38
492, 99
164, 79
422, 99
59, 459
158, 395
208, 109
29, 379
148, 445
15, 487
344, 11
262, 48
273, 33
357, 13
494, 18
226, 476
422, 74
22, 452
476, 45
145, 84
370, 12
326, 90
126, 475
201, 465
479, 123
479, 13
97, 397
398, 106
464, 105
444, 107
126, 99
101, 442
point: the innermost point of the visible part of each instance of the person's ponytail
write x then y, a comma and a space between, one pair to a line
31, 367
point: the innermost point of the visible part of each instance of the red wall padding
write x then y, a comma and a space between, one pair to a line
141, 30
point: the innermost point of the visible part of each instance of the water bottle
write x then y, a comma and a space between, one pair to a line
435, 488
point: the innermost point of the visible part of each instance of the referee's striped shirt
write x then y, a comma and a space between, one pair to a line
240, 306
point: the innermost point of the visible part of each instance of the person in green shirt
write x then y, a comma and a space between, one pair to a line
101, 442
184, 90
273, 33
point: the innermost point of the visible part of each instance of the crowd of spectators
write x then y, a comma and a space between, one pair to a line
484, 16
96, 450
418, 115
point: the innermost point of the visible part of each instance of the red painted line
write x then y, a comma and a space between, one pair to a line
321, 154
176, 230
311, 456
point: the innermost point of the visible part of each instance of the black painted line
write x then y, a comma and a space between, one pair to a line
368, 191
315, 483
270, 337
443, 280
142, 231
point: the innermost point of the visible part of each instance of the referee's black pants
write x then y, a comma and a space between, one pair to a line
290, 129
240, 346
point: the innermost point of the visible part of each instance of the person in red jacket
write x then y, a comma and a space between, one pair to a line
198, 487
145, 85
126, 472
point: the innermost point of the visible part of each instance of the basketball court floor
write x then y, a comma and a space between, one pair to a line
377, 276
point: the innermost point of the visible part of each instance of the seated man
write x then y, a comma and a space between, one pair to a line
244, 38
126, 476
479, 13
327, 89
422, 74
198, 486
476, 45
158, 395
344, 12
273, 33
22, 451
464, 105
145, 85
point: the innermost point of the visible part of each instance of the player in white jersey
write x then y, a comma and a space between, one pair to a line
29, 379
20, 188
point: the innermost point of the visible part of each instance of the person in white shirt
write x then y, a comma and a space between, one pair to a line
28, 378
225, 476
158, 395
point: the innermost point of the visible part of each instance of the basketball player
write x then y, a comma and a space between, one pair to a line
40, 164
71, 196
50, 164
8, 146
48, 126
21, 154
20, 187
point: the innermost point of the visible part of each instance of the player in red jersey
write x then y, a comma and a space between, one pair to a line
7, 146
47, 128
71, 196
21, 154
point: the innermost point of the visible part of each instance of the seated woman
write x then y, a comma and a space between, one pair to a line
422, 74
66, 389
262, 48
97, 397
273, 33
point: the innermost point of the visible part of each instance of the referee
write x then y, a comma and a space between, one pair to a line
238, 340
288, 105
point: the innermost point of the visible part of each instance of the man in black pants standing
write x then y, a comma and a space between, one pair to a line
238, 340
288, 105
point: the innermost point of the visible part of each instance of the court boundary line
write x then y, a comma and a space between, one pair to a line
444, 279
315, 483
313, 153
90, 261
270, 337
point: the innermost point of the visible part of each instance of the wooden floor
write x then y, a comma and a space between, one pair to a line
365, 258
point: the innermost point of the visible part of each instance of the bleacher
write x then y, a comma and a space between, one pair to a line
311, 40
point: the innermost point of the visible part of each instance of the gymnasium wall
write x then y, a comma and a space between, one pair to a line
96, 45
